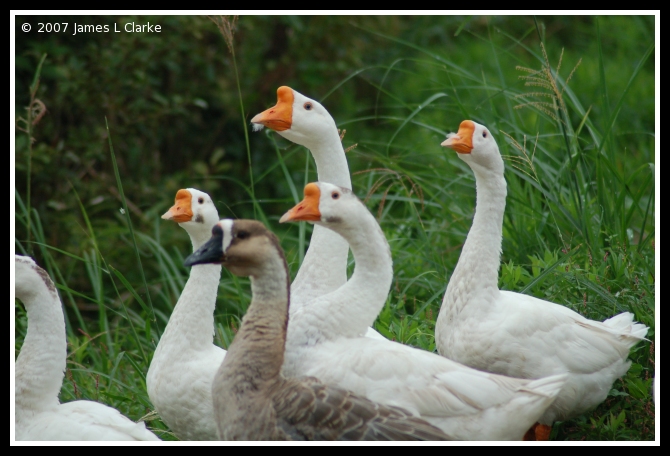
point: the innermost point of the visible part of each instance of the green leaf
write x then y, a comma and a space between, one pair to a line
637, 387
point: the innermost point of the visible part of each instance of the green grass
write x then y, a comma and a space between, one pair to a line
579, 225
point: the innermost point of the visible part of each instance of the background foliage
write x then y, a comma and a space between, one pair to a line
579, 142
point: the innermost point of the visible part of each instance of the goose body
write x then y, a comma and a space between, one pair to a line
306, 122
324, 341
511, 333
40, 369
252, 400
179, 380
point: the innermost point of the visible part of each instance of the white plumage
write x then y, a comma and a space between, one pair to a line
40, 368
306, 122
324, 341
179, 380
252, 400
515, 334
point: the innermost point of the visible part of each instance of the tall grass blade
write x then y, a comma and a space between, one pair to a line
416, 111
537, 280
617, 108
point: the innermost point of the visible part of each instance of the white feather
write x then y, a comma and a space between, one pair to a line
179, 380
515, 334
325, 342
40, 369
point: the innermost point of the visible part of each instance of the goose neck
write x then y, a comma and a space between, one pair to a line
323, 270
364, 295
325, 247
41, 364
331, 161
191, 324
199, 237
371, 251
480, 257
257, 353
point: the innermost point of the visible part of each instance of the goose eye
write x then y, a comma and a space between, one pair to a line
485, 134
336, 195
307, 106
242, 235
201, 200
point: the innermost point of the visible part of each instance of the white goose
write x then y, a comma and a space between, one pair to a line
306, 122
323, 341
40, 368
252, 400
515, 334
179, 380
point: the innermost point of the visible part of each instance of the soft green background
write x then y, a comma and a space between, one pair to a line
579, 226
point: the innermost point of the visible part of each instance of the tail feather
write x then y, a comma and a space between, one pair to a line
623, 324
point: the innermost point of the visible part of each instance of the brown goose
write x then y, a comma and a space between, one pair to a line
252, 400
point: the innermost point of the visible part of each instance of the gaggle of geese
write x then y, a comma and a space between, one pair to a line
306, 363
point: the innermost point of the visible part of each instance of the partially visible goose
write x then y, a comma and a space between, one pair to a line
252, 400
306, 122
179, 380
40, 368
324, 341
515, 334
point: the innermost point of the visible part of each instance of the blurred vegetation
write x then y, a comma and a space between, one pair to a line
579, 224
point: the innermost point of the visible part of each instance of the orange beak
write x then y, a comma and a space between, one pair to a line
461, 142
307, 209
181, 211
280, 116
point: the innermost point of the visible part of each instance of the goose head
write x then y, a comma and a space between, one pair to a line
324, 204
194, 210
476, 146
297, 118
30, 279
244, 247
